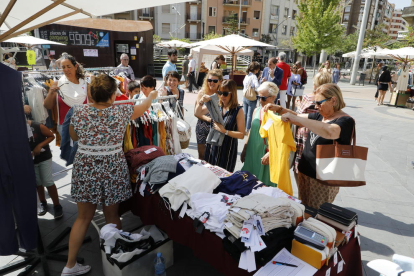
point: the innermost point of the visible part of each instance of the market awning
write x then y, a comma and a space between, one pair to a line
19, 17
174, 44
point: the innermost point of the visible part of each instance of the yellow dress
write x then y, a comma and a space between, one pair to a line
281, 142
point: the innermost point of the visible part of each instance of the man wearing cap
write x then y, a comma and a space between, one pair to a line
191, 73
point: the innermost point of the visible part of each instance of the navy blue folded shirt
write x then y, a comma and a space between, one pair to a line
239, 183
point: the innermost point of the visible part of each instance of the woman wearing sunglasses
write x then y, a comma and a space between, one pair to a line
225, 156
327, 125
255, 154
210, 86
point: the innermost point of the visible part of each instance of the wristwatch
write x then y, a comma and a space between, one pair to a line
226, 133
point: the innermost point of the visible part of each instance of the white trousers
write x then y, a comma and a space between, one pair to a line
282, 98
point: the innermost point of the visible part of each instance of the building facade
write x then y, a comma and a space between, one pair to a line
398, 25
408, 14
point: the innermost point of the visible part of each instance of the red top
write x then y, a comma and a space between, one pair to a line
64, 108
286, 74
122, 98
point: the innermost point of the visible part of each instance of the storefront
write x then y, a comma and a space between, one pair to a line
100, 42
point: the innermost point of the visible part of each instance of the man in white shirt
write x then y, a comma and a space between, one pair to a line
191, 73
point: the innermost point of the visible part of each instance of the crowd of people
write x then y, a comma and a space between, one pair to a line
98, 126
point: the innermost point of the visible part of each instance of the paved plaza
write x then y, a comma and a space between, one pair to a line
384, 206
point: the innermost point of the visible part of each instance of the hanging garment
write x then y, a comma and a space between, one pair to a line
127, 140
402, 82
154, 133
176, 137
68, 147
73, 93
35, 99
215, 137
162, 136
17, 177
281, 143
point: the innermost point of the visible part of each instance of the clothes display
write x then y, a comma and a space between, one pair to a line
225, 155
35, 97
181, 188
403, 79
281, 143
241, 183
256, 148
156, 171
215, 205
18, 203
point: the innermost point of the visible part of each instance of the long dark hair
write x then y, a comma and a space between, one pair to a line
80, 74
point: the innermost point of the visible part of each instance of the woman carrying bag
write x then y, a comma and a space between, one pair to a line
250, 85
327, 125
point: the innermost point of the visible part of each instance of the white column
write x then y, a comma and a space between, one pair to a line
375, 14
360, 40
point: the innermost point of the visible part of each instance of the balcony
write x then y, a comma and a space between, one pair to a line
195, 2
244, 3
408, 15
243, 21
194, 18
274, 17
146, 15
193, 36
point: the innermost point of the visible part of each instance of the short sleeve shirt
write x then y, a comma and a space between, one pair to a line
307, 164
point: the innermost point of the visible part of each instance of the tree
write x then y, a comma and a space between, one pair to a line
346, 44
233, 23
266, 38
317, 26
211, 35
376, 37
156, 39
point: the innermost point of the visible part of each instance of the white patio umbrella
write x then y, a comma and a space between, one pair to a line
31, 40
174, 44
233, 44
405, 54
19, 17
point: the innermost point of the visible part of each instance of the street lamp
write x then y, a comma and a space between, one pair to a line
276, 29
176, 21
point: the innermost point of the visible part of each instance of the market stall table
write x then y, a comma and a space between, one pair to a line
208, 246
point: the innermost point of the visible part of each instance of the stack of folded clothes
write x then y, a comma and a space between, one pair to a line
239, 183
215, 205
274, 213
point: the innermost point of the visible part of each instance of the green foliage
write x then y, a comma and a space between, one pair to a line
211, 35
286, 43
345, 44
318, 26
376, 37
233, 24
266, 38
156, 39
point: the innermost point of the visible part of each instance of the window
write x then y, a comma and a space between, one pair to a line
286, 12
212, 11
274, 12
166, 28
348, 9
256, 15
166, 9
255, 32
346, 17
211, 29
284, 29
294, 12
292, 31
272, 28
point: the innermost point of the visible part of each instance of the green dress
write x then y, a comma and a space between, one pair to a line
255, 150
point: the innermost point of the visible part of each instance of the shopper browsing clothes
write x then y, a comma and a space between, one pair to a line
225, 155
327, 125
210, 86
100, 172
384, 83
250, 81
71, 89
125, 67
255, 154
172, 79
39, 142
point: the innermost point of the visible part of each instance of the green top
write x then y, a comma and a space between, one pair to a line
255, 150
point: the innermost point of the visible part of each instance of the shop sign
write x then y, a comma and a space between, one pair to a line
77, 38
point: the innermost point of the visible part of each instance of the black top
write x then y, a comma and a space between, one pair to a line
307, 163
385, 76
38, 138
180, 98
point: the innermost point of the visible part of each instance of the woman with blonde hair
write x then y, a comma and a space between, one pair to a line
255, 154
210, 86
326, 68
225, 155
327, 125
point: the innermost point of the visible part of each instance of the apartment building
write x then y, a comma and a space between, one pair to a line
398, 25
217, 14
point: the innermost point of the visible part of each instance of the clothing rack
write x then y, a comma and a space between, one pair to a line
140, 100
61, 71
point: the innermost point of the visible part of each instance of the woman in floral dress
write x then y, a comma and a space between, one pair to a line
100, 173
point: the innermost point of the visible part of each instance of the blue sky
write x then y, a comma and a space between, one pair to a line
399, 4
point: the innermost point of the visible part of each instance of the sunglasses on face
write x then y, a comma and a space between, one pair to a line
210, 80
263, 98
225, 94
316, 103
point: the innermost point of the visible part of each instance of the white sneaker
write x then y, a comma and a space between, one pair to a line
78, 269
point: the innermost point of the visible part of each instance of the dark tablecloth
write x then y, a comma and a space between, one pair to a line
209, 247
